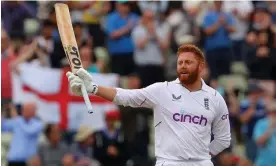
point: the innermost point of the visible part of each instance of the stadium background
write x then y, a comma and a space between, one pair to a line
240, 63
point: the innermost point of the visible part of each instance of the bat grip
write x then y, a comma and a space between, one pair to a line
86, 99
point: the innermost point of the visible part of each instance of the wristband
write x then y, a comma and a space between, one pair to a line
94, 88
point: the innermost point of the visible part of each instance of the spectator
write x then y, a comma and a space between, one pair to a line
45, 43
92, 17
241, 10
217, 26
252, 110
119, 25
183, 24
89, 60
259, 49
13, 14
151, 42
7, 56
82, 149
44, 9
157, 7
82, 36
26, 130
52, 152
77, 8
40, 49
231, 99
265, 137
110, 147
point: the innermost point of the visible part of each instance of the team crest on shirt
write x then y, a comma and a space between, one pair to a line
206, 103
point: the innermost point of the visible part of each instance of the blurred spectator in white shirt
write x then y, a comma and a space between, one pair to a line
151, 42
241, 11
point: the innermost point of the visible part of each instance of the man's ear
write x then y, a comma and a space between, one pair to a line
202, 66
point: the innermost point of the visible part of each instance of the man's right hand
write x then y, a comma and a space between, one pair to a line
81, 78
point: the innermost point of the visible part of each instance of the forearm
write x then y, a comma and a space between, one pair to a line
141, 43
212, 29
32, 129
118, 33
26, 55
162, 44
245, 117
230, 28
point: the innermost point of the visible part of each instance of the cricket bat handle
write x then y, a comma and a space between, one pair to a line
86, 99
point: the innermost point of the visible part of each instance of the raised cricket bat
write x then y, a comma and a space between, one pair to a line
69, 43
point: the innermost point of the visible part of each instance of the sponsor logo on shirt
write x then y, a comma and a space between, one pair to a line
185, 117
224, 117
175, 98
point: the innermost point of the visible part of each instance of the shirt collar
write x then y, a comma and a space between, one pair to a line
204, 86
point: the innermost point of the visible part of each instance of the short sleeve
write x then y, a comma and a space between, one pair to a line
207, 21
110, 24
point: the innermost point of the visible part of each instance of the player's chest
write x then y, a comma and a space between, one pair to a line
194, 108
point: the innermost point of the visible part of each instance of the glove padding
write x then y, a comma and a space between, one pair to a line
82, 78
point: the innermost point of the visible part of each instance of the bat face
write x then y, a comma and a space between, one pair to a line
73, 56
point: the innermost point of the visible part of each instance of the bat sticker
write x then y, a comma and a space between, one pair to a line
72, 51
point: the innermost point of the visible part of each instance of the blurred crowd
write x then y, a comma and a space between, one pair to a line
139, 39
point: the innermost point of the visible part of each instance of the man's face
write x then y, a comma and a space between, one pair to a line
78, 30
148, 16
89, 140
47, 32
218, 5
123, 8
188, 68
28, 110
255, 95
86, 53
55, 136
110, 122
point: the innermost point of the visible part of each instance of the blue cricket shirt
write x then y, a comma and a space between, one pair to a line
267, 153
221, 38
25, 136
124, 44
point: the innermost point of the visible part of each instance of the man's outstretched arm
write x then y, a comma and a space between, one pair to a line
134, 98
107, 93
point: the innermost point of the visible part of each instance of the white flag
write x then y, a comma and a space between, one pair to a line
49, 88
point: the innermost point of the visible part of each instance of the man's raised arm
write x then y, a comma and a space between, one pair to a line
145, 97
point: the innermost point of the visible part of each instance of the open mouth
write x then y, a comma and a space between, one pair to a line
184, 73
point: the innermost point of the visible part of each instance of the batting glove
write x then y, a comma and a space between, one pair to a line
82, 78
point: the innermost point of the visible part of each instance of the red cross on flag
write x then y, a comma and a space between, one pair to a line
55, 102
